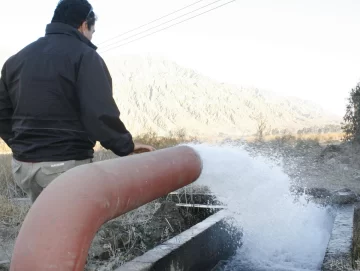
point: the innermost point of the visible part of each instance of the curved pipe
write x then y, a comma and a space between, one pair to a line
60, 226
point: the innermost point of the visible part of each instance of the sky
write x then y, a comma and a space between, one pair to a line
304, 48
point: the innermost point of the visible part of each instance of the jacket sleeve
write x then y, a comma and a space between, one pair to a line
98, 110
6, 110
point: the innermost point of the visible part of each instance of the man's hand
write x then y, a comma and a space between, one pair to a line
139, 148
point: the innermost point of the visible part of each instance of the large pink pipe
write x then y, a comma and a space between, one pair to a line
60, 226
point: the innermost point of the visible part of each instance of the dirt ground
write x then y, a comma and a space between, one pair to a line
312, 165
326, 168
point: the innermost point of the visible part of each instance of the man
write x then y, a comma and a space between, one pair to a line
56, 102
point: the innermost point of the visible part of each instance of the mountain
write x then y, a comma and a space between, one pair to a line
159, 95
155, 94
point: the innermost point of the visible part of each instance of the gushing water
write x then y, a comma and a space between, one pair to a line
279, 231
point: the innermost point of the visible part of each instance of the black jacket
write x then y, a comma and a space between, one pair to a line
56, 100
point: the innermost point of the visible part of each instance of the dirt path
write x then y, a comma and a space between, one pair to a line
311, 165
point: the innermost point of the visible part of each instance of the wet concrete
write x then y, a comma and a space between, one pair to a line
338, 253
356, 237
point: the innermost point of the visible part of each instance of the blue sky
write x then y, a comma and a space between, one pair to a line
303, 48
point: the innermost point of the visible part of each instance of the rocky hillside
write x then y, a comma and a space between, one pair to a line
160, 95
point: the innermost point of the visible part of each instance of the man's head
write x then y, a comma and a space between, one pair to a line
78, 14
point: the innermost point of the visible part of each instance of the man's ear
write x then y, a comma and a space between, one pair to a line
83, 27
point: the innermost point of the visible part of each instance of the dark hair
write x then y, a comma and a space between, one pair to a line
74, 13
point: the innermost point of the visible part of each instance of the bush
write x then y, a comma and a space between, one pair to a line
351, 125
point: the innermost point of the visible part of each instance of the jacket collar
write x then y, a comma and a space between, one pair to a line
61, 28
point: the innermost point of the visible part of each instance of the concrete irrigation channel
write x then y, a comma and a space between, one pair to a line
202, 247
210, 244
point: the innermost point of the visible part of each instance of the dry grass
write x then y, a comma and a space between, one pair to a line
3, 147
8, 187
173, 139
126, 229
158, 142
12, 214
321, 138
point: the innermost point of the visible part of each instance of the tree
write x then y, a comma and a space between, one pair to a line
351, 124
262, 126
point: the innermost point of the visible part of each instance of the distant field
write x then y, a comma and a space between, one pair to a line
152, 139
321, 138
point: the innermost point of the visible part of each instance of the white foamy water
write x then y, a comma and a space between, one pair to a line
280, 233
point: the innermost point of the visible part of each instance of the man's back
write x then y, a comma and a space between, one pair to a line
56, 101
42, 85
